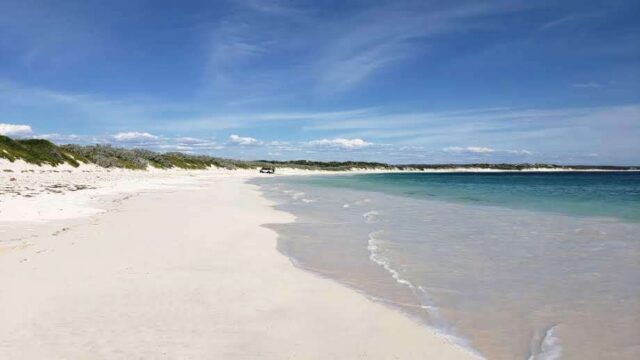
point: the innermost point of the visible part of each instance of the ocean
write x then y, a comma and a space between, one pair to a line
508, 265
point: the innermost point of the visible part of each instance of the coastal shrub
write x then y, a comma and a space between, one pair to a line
39, 151
35, 151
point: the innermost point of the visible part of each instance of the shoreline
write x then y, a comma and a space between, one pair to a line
510, 247
122, 268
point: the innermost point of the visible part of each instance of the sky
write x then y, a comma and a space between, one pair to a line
394, 81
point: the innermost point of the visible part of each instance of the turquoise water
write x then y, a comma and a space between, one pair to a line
535, 266
609, 194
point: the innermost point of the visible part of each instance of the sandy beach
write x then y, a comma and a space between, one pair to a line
276, 179
173, 265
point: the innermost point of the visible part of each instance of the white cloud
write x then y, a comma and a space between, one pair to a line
243, 140
341, 143
520, 152
192, 144
174, 147
190, 140
195, 142
468, 149
478, 150
135, 137
15, 129
63, 138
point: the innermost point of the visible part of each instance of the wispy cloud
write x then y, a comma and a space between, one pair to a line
247, 58
567, 20
386, 34
588, 85
469, 149
272, 7
247, 119
69, 138
53, 106
143, 140
341, 143
265, 48
191, 141
483, 150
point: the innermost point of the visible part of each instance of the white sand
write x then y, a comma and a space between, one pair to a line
180, 270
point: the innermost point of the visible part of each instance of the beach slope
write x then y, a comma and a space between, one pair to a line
189, 274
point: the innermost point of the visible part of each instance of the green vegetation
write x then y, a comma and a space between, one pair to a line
38, 151
112, 157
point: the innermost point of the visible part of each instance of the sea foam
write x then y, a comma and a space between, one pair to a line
437, 321
549, 348
371, 217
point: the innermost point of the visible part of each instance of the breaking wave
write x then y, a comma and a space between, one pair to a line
437, 322
549, 348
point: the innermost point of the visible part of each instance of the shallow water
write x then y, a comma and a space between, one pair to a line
608, 194
509, 282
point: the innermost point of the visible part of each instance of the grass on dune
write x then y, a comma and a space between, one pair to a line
37, 151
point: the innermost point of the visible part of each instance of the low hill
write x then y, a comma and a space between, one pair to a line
44, 152
37, 151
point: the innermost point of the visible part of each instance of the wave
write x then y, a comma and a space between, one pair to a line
437, 322
372, 246
549, 348
371, 217
297, 195
363, 201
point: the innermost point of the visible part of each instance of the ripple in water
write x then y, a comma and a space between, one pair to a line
510, 283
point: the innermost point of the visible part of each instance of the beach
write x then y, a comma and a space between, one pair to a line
274, 179
174, 265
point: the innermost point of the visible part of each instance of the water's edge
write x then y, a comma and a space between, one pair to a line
375, 244
404, 308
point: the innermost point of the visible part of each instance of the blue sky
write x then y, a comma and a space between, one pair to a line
396, 81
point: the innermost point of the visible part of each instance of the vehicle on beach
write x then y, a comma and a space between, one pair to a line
267, 170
